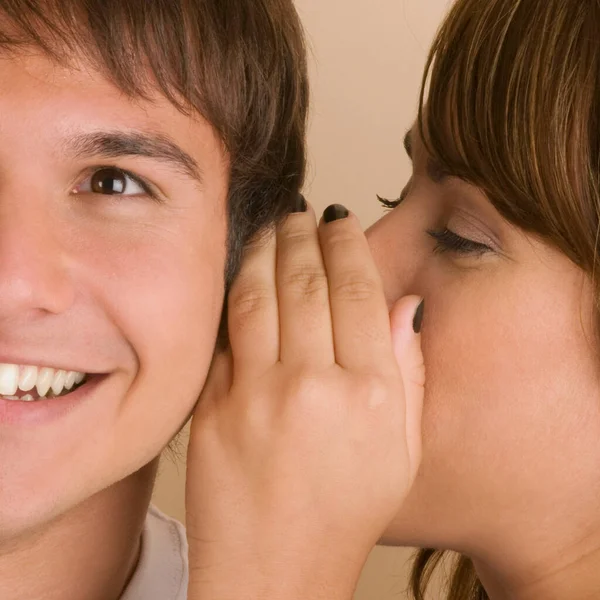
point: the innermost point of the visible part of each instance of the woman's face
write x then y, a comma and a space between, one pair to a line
511, 418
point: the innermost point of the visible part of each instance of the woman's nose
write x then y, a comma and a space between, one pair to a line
33, 273
398, 254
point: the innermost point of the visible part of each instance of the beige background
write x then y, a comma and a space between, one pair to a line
367, 61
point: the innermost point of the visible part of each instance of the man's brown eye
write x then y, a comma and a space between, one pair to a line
109, 181
112, 181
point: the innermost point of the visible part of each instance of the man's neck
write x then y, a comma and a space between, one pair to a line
88, 554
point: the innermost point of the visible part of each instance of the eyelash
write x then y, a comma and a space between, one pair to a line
141, 182
447, 240
391, 204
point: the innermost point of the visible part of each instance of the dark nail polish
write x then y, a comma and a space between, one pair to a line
335, 212
418, 320
300, 206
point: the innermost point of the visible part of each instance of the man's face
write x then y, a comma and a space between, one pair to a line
112, 256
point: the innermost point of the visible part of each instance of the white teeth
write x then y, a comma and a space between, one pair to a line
28, 378
58, 383
56, 379
9, 379
26, 398
70, 380
44, 380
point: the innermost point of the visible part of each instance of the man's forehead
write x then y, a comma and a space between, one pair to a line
38, 77
81, 113
38, 69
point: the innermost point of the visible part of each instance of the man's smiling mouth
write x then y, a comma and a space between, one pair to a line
29, 383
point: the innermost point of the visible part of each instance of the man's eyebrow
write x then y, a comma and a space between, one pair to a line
116, 144
435, 170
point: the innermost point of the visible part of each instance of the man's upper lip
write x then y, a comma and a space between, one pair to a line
52, 363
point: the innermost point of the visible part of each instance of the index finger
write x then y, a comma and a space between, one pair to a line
361, 323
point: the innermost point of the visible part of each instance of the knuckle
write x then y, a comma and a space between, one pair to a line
373, 391
355, 287
417, 374
306, 281
294, 236
247, 299
300, 386
341, 238
307, 392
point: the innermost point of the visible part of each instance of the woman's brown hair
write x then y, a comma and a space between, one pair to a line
511, 103
239, 64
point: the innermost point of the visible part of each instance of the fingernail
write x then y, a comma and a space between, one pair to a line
418, 320
335, 212
300, 206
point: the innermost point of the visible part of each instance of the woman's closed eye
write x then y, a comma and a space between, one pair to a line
448, 241
112, 181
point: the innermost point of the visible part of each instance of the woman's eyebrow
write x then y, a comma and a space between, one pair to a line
115, 144
435, 170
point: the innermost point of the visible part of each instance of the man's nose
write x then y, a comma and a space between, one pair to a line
33, 263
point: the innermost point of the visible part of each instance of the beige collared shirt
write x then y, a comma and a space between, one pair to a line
162, 572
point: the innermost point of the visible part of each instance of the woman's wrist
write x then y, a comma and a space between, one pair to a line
272, 575
281, 584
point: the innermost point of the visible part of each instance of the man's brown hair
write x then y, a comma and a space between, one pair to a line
239, 63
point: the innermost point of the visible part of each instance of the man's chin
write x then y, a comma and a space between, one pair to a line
26, 514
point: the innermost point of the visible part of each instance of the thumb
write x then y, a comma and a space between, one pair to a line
405, 317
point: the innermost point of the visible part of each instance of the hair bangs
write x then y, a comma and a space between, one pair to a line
496, 112
113, 37
196, 54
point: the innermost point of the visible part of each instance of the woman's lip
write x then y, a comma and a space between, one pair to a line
40, 412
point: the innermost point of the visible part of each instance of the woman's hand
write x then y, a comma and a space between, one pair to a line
307, 437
